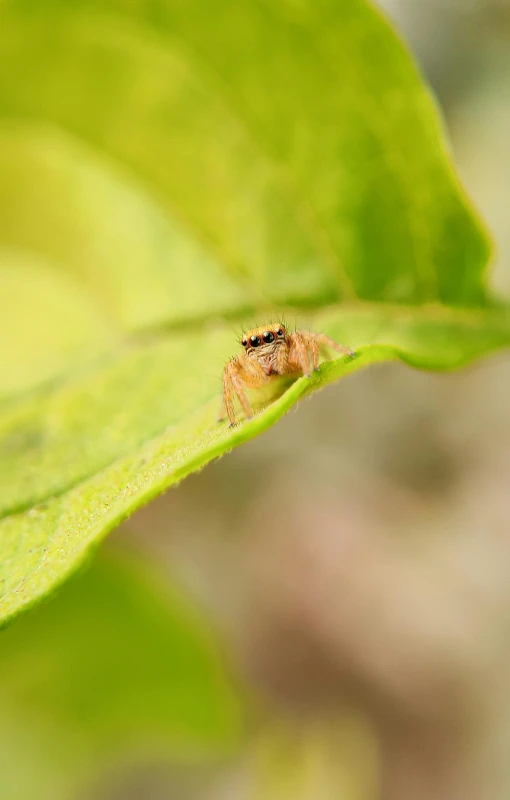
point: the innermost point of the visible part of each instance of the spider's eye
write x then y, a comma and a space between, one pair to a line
280, 332
254, 341
268, 337
244, 342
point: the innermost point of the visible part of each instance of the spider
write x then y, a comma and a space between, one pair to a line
271, 351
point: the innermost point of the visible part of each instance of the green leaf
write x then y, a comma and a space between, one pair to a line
169, 171
114, 669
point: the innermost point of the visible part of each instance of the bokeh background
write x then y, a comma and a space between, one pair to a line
354, 561
357, 556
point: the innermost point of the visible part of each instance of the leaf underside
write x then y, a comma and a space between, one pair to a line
169, 173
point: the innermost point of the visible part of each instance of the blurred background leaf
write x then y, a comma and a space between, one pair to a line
116, 668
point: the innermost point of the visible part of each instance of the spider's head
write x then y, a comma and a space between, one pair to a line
265, 339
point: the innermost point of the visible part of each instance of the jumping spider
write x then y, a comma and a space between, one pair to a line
271, 351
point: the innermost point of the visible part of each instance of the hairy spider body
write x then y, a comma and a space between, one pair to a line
271, 351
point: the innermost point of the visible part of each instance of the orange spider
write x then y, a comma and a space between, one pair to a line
271, 351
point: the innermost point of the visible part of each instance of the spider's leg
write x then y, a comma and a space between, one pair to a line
228, 393
239, 375
314, 352
300, 354
282, 360
326, 341
239, 384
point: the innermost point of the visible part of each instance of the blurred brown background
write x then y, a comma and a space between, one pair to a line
356, 558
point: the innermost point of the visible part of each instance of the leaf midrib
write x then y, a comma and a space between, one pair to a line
159, 331
145, 338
